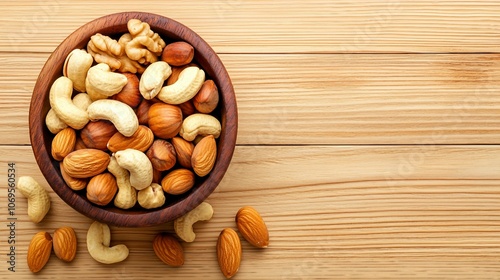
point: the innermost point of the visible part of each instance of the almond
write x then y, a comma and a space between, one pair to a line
85, 163
178, 181
252, 227
165, 120
63, 143
184, 150
75, 184
168, 249
102, 189
229, 252
141, 140
39, 251
207, 98
178, 53
130, 93
162, 155
204, 155
95, 135
65, 243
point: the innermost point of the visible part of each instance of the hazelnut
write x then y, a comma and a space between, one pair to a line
102, 188
162, 155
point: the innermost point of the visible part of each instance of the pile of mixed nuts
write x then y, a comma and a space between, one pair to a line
133, 119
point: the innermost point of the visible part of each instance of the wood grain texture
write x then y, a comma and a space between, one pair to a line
335, 100
236, 26
344, 219
329, 99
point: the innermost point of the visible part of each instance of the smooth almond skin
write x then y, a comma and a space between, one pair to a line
162, 155
39, 251
178, 181
207, 98
204, 155
168, 249
102, 189
229, 252
65, 243
184, 150
165, 120
95, 135
141, 140
252, 227
63, 143
85, 163
178, 53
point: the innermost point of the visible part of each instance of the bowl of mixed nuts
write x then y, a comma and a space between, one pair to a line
133, 119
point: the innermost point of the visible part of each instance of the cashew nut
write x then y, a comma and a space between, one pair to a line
98, 241
119, 113
76, 65
183, 226
101, 83
38, 198
153, 78
82, 101
189, 83
53, 122
127, 195
200, 124
65, 109
151, 197
139, 166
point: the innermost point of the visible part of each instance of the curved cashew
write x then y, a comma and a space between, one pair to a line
65, 109
82, 101
200, 124
139, 166
183, 226
76, 65
151, 197
98, 241
53, 122
101, 83
127, 195
153, 78
120, 114
189, 83
38, 198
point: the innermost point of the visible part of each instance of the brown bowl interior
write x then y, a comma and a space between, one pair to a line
41, 138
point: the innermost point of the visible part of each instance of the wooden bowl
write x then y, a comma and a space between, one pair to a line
41, 138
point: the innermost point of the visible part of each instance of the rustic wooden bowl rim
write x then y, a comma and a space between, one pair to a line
41, 138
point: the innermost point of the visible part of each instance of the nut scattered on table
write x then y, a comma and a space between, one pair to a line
39, 251
168, 249
229, 252
252, 227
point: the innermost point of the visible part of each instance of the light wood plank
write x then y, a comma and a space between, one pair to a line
236, 26
328, 99
331, 213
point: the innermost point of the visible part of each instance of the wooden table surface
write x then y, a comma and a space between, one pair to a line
369, 138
